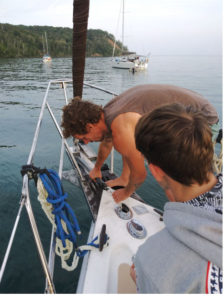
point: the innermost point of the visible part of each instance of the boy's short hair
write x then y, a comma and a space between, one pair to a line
178, 139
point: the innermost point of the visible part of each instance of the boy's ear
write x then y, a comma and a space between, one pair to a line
156, 172
89, 126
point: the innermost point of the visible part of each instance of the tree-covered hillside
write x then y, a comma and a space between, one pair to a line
27, 41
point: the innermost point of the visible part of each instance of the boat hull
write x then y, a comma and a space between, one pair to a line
123, 65
47, 58
126, 64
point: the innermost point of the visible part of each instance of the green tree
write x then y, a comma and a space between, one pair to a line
27, 41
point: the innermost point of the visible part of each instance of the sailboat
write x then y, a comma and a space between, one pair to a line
46, 57
129, 60
120, 229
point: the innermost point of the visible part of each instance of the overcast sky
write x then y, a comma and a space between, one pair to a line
156, 26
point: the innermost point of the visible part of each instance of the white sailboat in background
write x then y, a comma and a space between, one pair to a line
46, 57
129, 60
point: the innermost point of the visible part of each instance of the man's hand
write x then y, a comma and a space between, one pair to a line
120, 195
103, 152
95, 173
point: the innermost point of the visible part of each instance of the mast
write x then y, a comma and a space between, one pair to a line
118, 24
46, 41
122, 26
80, 23
43, 44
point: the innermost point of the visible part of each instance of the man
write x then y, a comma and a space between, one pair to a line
114, 125
186, 256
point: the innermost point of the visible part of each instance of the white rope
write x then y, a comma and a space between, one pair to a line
63, 252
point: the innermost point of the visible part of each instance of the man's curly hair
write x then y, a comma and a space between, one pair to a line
77, 114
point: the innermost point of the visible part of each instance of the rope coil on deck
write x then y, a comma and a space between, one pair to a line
59, 213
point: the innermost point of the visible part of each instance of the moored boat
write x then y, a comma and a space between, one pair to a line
47, 58
128, 60
132, 61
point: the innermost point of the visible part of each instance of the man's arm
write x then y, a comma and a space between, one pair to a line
136, 178
105, 148
124, 143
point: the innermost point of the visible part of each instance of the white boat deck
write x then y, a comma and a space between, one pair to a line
108, 271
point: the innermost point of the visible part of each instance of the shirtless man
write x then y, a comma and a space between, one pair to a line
114, 125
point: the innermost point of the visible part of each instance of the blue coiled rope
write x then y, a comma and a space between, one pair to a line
61, 209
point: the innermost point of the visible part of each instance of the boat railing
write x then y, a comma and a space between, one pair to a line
48, 266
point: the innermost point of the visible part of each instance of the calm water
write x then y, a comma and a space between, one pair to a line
22, 87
